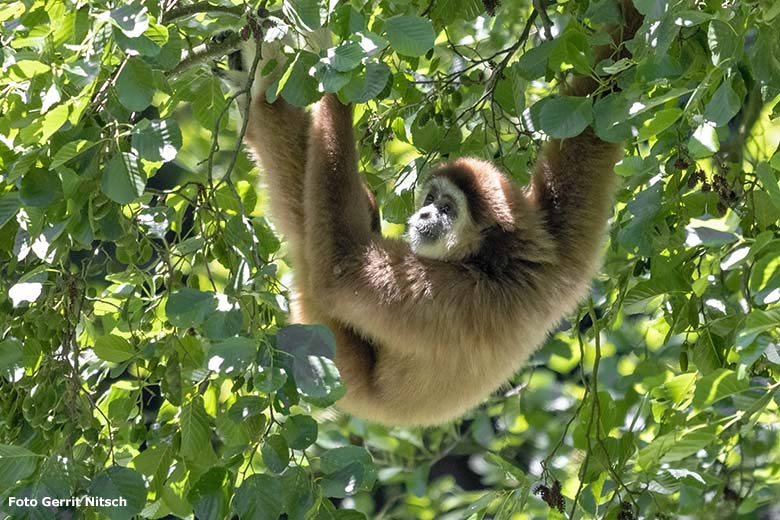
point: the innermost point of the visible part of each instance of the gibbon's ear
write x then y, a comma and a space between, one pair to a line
489, 193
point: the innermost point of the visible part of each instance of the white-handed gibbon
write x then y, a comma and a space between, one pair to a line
427, 327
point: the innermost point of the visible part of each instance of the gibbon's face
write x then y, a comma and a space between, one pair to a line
442, 226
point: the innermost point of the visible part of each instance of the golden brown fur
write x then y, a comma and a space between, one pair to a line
420, 341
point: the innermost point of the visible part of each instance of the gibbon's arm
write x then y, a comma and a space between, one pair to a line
573, 181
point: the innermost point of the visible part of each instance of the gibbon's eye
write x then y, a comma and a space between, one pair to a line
428, 199
446, 209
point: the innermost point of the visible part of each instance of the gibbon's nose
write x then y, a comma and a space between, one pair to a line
425, 214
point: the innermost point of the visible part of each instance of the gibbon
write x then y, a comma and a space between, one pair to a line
426, 328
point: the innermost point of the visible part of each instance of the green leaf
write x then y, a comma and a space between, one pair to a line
305, 13
195, 430
118, 483
190, 307
715, 386
369, 84
247, 406
259, 498
510, 91
11, 357
704, 142
113, 348
232, 355
276, 454
209, 494
300, 431
157, 140
132, 19
410, 35
123, 180
757, 322
53, 121
662, 120
688, 445
135, 85
40, 188
724, 105
346, 57
566, 116
725, 44
69, 151
347, 470
298, 85
313, 348
9, 207
16, 463
533, 63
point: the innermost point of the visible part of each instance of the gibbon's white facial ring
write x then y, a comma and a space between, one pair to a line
439, 225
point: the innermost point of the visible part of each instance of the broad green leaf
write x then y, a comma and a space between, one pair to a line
724, 41
11, 357
132, 19
368, 84
232, 355
347, 470
346, 57
113, 348
276, 454
410, 35
69, 151
724, 105
189, 307
704, 142
53, 121
247, 406
40, 188
123, 180
300, 431
135, 85
718, 385
566, 116
662, 120
16, 463
119, 483
298, 85
259, 498
195, 430
157, 140
9, 207
757, 322
209, 495
533, 62
313, 348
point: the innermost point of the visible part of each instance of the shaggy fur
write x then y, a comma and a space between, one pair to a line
419, 340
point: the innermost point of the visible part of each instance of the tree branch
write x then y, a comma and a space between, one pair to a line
206, 52
198, 8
